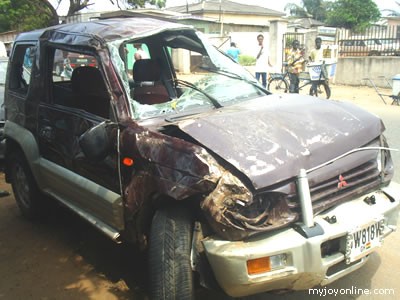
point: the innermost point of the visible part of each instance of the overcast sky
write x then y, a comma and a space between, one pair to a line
101, 5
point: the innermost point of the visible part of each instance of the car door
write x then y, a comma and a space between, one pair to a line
74, 106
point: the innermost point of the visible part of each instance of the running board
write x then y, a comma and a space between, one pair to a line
109, 231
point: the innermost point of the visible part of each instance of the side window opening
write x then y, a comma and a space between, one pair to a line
133, 52
21, 68
78, 83
145, 73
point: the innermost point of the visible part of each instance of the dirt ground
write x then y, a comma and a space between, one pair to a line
62, 257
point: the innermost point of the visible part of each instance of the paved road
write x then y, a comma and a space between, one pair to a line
64, 258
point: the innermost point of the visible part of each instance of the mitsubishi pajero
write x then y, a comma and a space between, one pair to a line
186, 156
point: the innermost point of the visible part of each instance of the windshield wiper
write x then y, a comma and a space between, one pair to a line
235, 76
194, 87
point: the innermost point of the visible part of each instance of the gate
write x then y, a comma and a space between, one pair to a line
287, 41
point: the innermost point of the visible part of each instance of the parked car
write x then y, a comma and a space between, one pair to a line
390, 46
360, 47
65, 62
222, 182
3, 50
3, 70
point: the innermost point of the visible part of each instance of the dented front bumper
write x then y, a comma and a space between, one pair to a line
299, 262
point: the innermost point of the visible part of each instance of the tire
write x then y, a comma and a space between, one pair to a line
323, 91
27, 195
171, 276
278, 86
374, 53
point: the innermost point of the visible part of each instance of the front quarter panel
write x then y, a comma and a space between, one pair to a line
164, 165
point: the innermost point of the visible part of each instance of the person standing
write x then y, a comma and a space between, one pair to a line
233, 52
140, 53
262, 61
317, 54
295, 62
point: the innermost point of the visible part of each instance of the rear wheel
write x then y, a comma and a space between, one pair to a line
322, 91
170, 270
27, 195
278, 86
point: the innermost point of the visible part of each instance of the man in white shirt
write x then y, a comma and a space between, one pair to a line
140, 53
262, 61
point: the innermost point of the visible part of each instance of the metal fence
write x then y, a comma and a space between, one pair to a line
287, 42
376, 41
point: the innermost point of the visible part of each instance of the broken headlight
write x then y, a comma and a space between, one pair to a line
235, 213
384, 160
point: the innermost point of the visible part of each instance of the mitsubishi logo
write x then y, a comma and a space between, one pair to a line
342, 182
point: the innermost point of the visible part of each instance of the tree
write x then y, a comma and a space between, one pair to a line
315, 9
76, 5
142, 3
353, 14
24, 15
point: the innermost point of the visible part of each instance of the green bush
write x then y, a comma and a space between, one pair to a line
247, 60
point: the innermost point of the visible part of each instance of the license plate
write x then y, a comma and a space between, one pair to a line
363, 240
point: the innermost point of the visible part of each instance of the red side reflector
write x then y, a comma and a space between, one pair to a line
128, 161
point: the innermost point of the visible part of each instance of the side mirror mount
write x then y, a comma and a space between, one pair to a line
97, 142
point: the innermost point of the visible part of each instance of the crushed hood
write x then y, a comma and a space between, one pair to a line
269, 139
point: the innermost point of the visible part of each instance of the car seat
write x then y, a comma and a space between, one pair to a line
148, 87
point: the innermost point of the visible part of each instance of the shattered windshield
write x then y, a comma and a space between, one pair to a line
178, 72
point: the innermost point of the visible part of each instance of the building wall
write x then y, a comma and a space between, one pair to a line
393, 21
354, 70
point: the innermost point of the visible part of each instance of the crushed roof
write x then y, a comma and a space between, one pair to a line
101, 30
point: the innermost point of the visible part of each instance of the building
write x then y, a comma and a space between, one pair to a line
225, 11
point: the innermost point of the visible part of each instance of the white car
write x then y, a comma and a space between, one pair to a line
3, 71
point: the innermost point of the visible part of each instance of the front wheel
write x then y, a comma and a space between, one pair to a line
321, 90
278, 85
170, 241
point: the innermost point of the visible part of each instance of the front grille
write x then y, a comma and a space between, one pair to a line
330, 192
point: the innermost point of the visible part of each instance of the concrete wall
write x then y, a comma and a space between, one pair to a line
352, 70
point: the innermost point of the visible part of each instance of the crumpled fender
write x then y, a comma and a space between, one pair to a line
164, 165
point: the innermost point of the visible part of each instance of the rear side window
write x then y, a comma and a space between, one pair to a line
65, 62
22, 63
78, 83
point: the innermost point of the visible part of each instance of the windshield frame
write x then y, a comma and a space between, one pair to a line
221, 66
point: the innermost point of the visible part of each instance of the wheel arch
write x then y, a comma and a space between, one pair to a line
19, 139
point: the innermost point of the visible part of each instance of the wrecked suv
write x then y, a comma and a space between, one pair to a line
186, 156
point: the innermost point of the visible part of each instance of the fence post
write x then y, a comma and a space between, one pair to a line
277, 30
